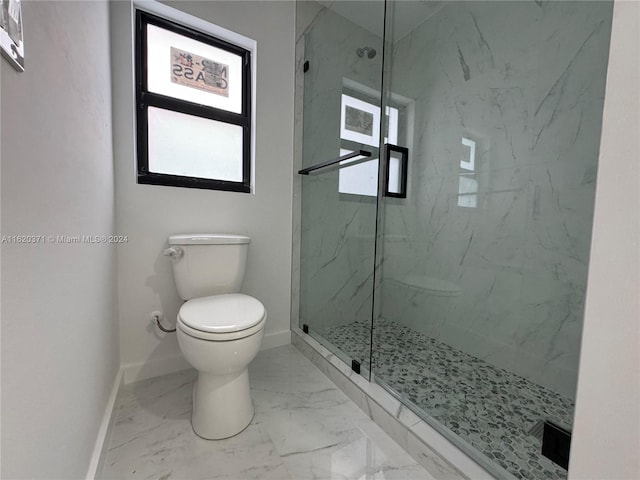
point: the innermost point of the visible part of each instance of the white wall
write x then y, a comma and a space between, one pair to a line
149, 214
606, 435
59, 333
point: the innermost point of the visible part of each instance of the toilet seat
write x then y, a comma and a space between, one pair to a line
222, 317
220, 337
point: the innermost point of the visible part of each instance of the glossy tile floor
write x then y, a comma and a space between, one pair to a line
492, 409
304, 428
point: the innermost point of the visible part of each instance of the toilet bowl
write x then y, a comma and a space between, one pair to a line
219, 330
219, 336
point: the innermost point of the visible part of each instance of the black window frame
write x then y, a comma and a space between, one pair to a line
146, 99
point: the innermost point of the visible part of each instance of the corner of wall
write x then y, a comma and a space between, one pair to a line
606, 435
104, 432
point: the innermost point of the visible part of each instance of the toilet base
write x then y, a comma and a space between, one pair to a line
222, 405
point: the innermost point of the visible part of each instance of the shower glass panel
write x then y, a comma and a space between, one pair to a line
483, 266
342, 79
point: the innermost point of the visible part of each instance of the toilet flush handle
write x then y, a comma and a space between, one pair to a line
173, 252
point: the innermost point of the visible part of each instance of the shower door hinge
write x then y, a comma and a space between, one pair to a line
305, 66
355, 366
305, 328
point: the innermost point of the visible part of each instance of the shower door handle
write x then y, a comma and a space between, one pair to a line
328, 163
395, 170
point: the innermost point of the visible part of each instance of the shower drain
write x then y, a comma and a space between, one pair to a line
555, 440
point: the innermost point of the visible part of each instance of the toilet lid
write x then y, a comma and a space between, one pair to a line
222, 313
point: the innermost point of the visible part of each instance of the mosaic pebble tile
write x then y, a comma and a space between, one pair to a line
491, 408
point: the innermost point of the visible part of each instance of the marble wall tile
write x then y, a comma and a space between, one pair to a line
525, 81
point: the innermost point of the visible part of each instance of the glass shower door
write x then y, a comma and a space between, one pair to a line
342, 76
483, 266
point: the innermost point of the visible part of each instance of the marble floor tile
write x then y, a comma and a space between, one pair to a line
304, 428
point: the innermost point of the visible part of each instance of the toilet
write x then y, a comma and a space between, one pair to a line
219, 330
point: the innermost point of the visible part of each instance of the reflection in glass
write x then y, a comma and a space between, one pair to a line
467, 183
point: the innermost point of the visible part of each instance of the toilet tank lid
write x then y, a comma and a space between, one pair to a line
208, 239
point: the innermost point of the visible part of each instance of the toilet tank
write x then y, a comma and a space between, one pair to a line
208, 264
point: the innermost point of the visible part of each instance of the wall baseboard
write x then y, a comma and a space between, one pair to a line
104, 432
276, 339
134, 372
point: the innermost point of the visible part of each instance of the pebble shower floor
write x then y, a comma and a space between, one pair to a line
490, 408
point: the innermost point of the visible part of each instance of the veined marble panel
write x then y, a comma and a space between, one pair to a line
525, 82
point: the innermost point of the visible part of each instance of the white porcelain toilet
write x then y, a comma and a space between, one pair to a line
219, 330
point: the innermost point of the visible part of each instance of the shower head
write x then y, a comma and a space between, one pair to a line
371, 52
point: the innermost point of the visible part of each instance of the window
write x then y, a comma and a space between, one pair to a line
360, 126
193, 93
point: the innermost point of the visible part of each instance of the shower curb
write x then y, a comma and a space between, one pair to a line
438, 455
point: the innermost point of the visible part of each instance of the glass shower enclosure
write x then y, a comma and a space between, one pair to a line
445, 236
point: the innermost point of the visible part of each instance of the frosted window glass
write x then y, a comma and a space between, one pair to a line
395, 173
362, 178
467, 192
161, 69
392, 125
187, 145
359, 179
